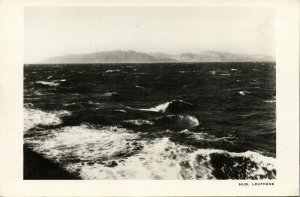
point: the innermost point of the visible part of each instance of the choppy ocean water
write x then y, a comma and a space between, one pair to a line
154, 121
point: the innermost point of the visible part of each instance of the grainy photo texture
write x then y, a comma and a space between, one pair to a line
149, 93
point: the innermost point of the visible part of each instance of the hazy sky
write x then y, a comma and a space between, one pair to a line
60, 31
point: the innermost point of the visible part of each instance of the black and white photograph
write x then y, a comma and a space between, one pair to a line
149, 93
149, 98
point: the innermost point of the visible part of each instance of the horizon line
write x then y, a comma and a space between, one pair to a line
150, 53
274, 61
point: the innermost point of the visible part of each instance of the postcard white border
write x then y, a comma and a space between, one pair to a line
11, 111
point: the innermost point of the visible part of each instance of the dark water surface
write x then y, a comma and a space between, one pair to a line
154, 121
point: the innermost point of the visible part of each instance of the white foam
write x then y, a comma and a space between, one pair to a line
163, 159
47, 83
209, 138
139, 122
36, 92
69, 104
225, 74
34, 117
141, 73
111, 71
120, 110
109, 93
153, 162
193, 121
83, 142
159, 159
94, 103
162, 107
141, 87
159, 108
270, 101
185, 120
133, 156
262, 162
244, 92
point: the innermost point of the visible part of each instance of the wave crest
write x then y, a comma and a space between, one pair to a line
178, 120
139, 122
35, 117
172, 106
51, 83
119, 153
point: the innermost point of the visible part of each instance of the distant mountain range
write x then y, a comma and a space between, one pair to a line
119, 56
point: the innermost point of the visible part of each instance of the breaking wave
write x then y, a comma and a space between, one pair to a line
209, 138
213, 72
225, 74
270, 101
120, 110
51, 83
244, 92
174, 105
111, 71
119, 153
110, 94
35, 117
140, 87
139, 122
159, 108
180, 121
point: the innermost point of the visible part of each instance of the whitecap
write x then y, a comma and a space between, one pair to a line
263, 163
225, 74
140, 87
85, 145
213, 72
270, 101
139, 122
94, 103
158, 108
159, 159
118, 153
84, 142
192, 120
208, 137
111, 71
69, 104
35, 117
141, 73
120, 110
110, 93
47, 83
163, 159
186, 121
163, 107
38, 93
244, 92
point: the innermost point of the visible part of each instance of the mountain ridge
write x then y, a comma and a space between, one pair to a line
130, 56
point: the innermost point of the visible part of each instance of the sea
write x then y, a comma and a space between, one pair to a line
172, 121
